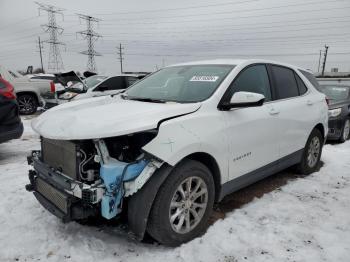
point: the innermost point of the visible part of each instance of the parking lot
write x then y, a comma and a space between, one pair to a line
286, 217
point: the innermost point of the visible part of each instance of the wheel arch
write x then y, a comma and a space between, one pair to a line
28, 93
210, 162
320, 128
138, 218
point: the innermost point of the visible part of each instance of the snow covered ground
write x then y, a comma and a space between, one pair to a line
308, 219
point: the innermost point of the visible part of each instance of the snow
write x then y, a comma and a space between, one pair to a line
308, 219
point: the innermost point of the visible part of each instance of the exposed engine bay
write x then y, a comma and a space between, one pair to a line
88, 177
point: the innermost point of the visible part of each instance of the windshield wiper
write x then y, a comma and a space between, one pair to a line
143, 99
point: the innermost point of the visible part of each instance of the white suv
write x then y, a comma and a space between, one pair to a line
176, 142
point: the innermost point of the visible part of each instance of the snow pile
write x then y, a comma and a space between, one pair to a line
306, 220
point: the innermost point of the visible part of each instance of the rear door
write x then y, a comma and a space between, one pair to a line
292, 105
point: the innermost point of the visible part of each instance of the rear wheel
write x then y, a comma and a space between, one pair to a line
312, 153
27, 103
183, 204
345, 131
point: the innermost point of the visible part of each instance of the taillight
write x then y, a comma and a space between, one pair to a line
8, 91
52, 86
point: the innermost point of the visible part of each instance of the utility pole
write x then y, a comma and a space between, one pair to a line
319, 62
55, 59
120, 58
324, 59
41, 55
91, 36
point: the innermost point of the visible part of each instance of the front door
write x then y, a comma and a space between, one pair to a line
251, 131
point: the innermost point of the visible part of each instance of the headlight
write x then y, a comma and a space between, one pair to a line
67, 95
334, 112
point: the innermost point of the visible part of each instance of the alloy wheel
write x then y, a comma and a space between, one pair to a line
188, 204
346, 130
313, 151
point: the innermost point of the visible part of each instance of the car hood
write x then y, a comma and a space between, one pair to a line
105, 117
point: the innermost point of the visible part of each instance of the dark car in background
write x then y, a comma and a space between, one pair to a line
339, 111
11, 126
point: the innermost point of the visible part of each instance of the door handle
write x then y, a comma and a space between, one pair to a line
309, 103
274, 111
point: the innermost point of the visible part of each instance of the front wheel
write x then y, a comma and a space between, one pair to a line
312, 153
183, 204
345, 131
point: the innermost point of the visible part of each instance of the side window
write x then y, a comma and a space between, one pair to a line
302, 87
311, 78
285, 82
130, 80
113, 83
253, 79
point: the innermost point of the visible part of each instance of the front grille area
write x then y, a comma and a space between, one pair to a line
61, 155
53, 195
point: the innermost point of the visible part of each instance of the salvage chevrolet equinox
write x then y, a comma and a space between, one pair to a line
173, 144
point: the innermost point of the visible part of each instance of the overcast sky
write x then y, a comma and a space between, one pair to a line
162, 32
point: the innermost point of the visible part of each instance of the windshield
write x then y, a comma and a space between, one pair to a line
336, 92
180, 83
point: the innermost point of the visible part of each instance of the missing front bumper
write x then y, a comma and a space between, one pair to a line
58, 203
60, 195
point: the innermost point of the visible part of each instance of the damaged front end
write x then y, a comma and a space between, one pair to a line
78, 179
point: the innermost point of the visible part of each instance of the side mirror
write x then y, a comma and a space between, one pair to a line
244, 99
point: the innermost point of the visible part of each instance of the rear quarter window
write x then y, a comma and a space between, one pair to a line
301, 85
311, 78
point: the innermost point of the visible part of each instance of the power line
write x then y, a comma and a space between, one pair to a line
249, 10
238, 39
91, 36
55, 59
179, 8
224, 18
236, 27
209, 5
18, 22
170, 34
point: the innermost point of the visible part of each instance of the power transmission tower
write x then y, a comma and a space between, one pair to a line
120, 58
40, 45
324, 59
91, 36
55, 59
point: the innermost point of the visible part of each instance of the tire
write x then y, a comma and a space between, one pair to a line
312, 153
27, 103
345, 131
173, 232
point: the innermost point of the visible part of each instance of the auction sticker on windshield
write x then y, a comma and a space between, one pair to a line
204, 78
